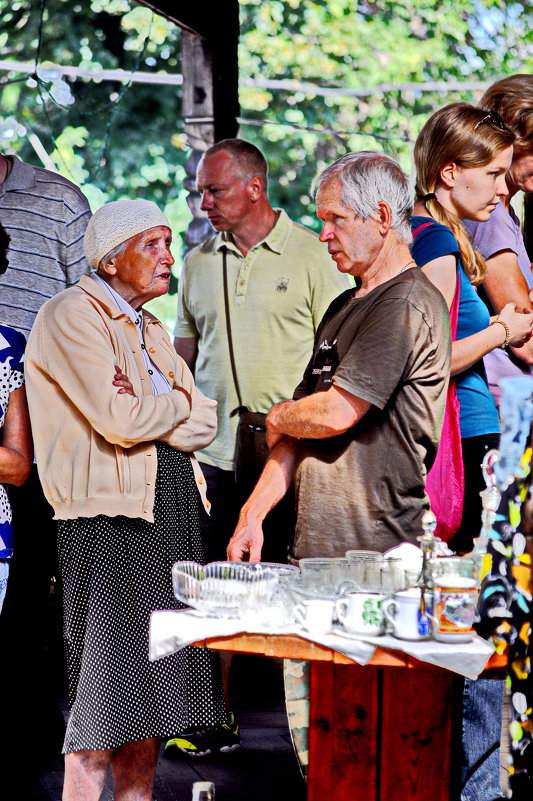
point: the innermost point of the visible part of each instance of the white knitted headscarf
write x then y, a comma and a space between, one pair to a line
117, 221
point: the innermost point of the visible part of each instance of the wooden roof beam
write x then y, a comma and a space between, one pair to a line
209, 66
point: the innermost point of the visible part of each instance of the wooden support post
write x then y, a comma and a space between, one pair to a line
377, 733
197, 100
198, 113
210, 99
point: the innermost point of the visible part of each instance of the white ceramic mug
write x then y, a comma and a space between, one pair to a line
361, 613
403, 613
315, 615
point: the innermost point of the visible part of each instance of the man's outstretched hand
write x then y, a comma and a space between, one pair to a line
247, 541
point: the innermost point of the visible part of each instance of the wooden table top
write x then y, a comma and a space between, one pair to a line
290, 646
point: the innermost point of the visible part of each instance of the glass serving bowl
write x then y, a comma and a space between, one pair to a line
219, 588
281, 570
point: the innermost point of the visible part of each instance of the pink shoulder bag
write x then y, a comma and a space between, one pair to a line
445, 482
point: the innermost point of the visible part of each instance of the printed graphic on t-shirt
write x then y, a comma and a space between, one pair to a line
325, 362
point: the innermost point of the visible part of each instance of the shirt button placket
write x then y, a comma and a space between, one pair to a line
244, 272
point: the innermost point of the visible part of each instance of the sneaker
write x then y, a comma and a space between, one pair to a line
221, 738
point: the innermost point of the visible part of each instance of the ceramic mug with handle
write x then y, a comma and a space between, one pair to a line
315, 615
361, 613
455, 582
405, 616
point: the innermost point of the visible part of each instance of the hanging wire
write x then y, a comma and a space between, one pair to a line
124, 88
329, 131
40, 36
49, 122
8, 81
42, 88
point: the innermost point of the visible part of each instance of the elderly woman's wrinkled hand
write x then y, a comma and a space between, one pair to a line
121, 380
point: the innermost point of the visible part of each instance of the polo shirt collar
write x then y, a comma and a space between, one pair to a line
21, 176
275, 240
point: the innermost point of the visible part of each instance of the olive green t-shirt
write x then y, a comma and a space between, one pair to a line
365, 488
278, 293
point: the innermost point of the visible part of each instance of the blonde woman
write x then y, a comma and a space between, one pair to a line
462, 156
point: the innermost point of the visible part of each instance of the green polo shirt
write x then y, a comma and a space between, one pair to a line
278, 293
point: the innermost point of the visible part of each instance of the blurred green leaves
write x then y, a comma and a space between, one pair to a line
119, 140
360, 45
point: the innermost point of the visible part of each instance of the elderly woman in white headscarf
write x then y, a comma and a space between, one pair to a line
116, 417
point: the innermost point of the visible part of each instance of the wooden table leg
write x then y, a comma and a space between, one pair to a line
417, 735
343, 733
377, 734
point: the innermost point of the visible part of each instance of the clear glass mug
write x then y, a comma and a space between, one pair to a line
345, 574
362, 554
381, 574
316, 573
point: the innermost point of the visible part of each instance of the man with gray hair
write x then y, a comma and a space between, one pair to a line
278, 281
362, 428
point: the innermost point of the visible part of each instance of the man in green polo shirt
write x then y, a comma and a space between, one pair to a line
280, 282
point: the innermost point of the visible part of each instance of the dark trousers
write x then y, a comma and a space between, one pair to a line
32, 670
482, 700
226, 499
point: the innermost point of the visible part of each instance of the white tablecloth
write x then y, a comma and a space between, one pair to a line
172, 630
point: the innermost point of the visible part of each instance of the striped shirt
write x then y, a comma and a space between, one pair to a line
46, 216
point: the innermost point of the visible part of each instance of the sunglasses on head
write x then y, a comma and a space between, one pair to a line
492, 118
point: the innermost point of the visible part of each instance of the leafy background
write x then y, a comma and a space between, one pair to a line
116, 140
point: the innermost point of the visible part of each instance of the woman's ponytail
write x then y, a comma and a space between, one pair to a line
472, 261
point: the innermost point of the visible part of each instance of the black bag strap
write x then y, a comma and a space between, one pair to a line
228, 329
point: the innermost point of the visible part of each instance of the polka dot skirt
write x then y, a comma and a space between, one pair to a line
116, 571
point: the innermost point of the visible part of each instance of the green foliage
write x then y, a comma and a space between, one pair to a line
122, 134
118, 140
360, 45
115, 140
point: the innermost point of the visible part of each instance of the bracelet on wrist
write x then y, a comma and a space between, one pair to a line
507, 332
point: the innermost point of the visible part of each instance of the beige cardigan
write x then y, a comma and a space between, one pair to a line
95, 448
